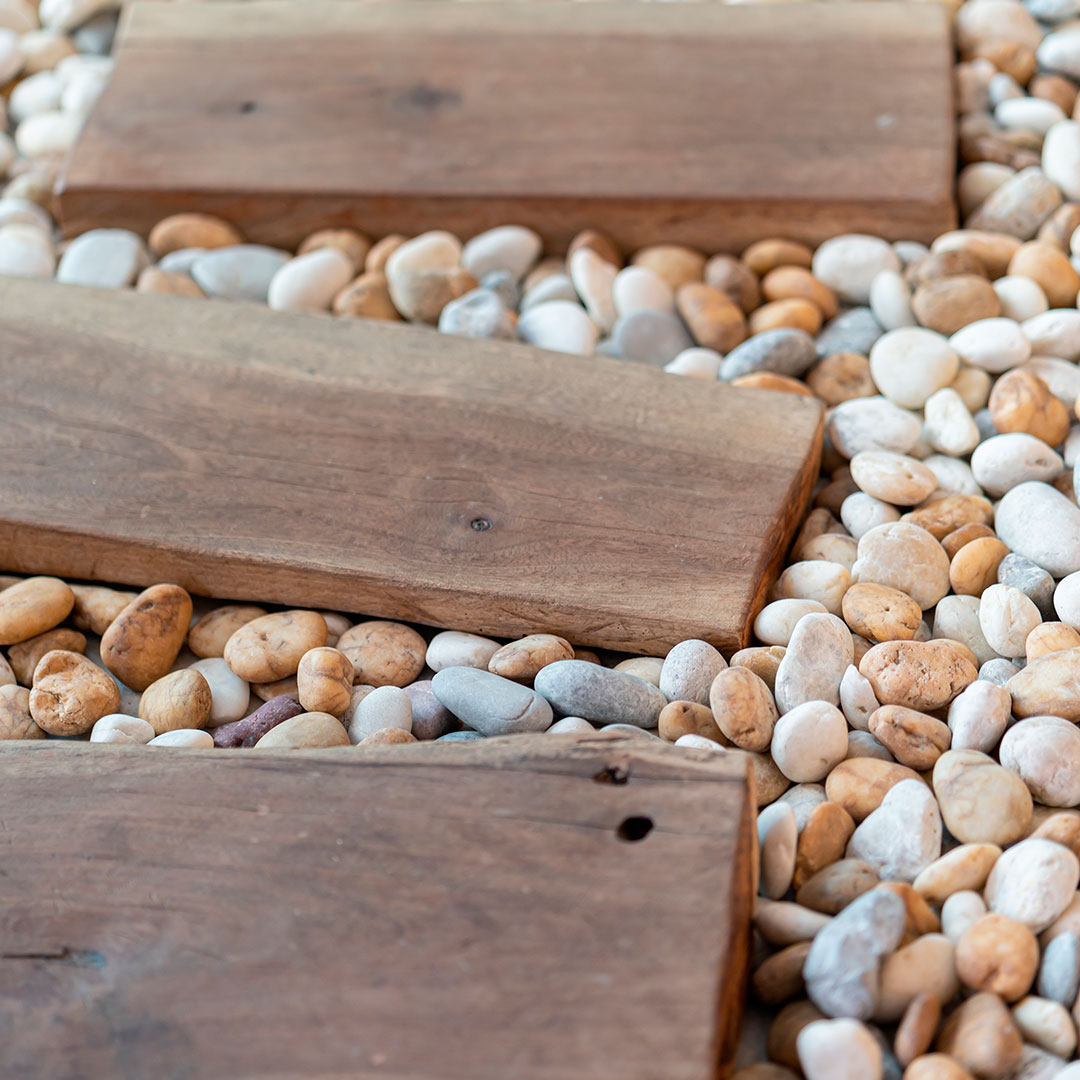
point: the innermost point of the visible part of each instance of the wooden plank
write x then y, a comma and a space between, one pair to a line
450, 912
387, 470
711, 125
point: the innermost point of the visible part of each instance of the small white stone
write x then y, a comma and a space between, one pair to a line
637, 288
1028, 114
35, 94
123, 729
1062, 376
559, 325
697, 362
954, 476
514, 248
777, 837
1048, 1025
872, 423
910, 364
809, 741
230, 695
188, 738
890, 300
81, 94
384, 707
815, 579
861, 512
103, 258
960, 912
995, 345
688, 671
310, 282
1044, 751
594, 279
1033, 882
848, 265
238, 272
1020, 297
1060, 52
950, 428
23, 252
1067, 600
1070, 451
570, 725
839, 1050
857, 699
694, 742
1007, 616
48, 134
553, 287
957, 618
978, 717
902, 837
1055, 332
776, 621
1004, 461
453, 648
973, 385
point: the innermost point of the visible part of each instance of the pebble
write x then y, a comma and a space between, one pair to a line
453, 648
572, 725
689, 670
513, 248
386, 653
207, 636
980, 800
1021, 204
809, 741
848, 265
493, 705
1003, 462
777, 620
1061, 157
679, 718
784, 351
1033, 581
999, 955
558, 325
70, 693
187, 738
141, 644
324, 681
594, 278
853, 331
777, 837
383, 707
1007, 616
978, 717
636, 288
902, 836
822, 840
892, 478
1059, 970
478, 314
926, 964
905, 557
1048, 686
698, 363
1067, 600
843, 968
522, 659
1044, 751
890, 300
1054, 333
230, 695
872, 423
949, 428
180, 699
270, 647
309, 282
240, 272
650, 337
964, 868
1033, 882
714, 320
910, 364
306, 731
743, 708
248, 731
1020, 298
840, 1049
430, 718
818, 653
1037, 521
122, 729
961, 910
857, 699
981, 1036
1047, 1024
191, 230
24, 252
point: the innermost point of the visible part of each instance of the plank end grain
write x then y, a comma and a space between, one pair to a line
453, 912
706, 124
389, 470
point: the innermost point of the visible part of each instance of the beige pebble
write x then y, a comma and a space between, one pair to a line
16, 720
999, 955
452, 648
777, 836
24, 657
841, 377
143, 641
181, 699
776, 622
831, 890
860, 784
122, 729
349, 242
309, 730
762, 660
963, 868
920, 675
715, 321
952, 303
1044, 751
734, 278
974, 567
809, 741
522, 659
311, 281
926, 965
1046, 1024
152, 279
185, 738
191, 230
324, 681
388, 737
881, 613
643, 667
676, 264
96, 606
743, 708
1050, 637
822, 841
783, 923
32, 606
366, 297
893, 478
981, 801
913, 738
270, 647
208, 636
1049, 686
981, 1036
917, 1027
1050, 269
70, 693
1033, 882
679, 718
904, 556
383, 653
1007, 616
594, 279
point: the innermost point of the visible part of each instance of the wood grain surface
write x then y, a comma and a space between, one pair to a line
706, 124
389, 470
445, 912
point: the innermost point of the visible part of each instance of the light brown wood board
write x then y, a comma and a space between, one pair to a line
389, 470
707, 124
444, 912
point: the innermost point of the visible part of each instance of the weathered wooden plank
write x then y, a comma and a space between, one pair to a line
462, 911
708, 124
389, 470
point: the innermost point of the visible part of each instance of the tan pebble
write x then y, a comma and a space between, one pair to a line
832, 548
16, 722
714, 320
904, 556
586, 654
945, 264
764, 256
208, 636
743, 707
70, 693
349, 242
384, 653
769, 380
1058, 228
981, 801
32, 606
96, 606
644, 667
920, 675
151, 279
926, 964
784, 1031
913, 738
794, 314
191, 231
952, 542
841, 377
796, 282
308, 731
1063, 827
893, 478
179, 700
817, 523
917, 1028
366, 297
1049, 686
676, 264
860, 784
1050, 269
779, 978
920, 917
388, 737
678, 718
1021, 401
999, 955
993, 250
523, 658
380, 251
974, 567
419, 295
595, 241
735, 279
769, 782
942, 516
981, 1035
1014, 58
964, 868
824, 582
1050, 637
1047, 1024
782, 922
270, 647
324, 681
24, 657
936, 1067
822, 841
833, 495
762, 660
881, 613
949, 304
831, 890
143, 641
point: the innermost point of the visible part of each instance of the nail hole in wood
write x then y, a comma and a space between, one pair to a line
481, 524
634, 829
613, 774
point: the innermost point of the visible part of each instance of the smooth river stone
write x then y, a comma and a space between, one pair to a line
650, 337
559, 325
491, 704
514, 248
243, 272
478, 314
579, 688
1035, 520
818, 653
851, 331
785, 351
103, 258
310, 281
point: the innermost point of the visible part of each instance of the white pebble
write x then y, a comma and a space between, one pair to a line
1020, 297
697, 362
995, 345
1004, 461
910, 364
123, 729
637, 288
384, 707
189, 738
514, 248
559, 325
230, 695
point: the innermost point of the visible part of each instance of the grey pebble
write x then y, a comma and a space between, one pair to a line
688, 671
850, 331
431, 718
650, 337
478, 314
785, 351
842, 970
1053, 10
998, 671
1033, 581
984, 422
554, 287
631, 730
96, 35
460, 736
239, 272
578, 688
1059, 971
489, 703
505, 286
180, 261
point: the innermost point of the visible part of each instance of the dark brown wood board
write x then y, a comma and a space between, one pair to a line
390, 470
469, 911
706, 124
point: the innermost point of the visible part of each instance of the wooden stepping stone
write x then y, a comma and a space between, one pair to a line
529, 907
706, 124
390, 470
